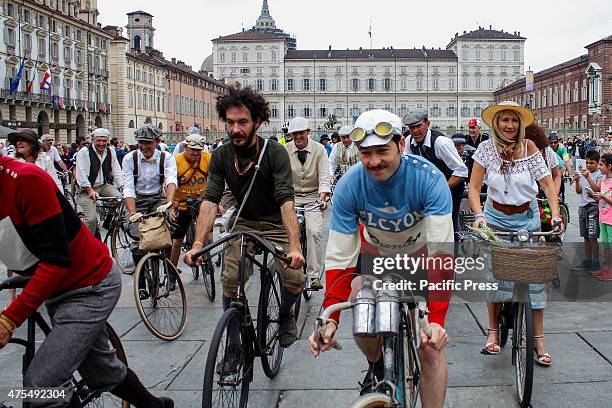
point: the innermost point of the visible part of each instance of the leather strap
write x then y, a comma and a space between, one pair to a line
511, 209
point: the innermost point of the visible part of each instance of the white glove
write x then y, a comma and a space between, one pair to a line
136, 217
163, 208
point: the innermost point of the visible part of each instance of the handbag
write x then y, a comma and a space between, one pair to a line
154, 234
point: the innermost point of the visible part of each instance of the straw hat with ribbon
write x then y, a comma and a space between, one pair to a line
527, 117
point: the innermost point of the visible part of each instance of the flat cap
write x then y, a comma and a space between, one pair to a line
414, 117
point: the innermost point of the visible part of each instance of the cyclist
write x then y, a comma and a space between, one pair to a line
98, 173
286, 136
150, 182
475, 138
310, 174
192, 171
47, 145
269, 208
74, 275
379, 193
344, 155
180, 147
27, 149
561, 151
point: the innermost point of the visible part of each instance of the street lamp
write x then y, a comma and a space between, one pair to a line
13, 123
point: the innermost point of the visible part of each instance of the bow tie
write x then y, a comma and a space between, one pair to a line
145, 160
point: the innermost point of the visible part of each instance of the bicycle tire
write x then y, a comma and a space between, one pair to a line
189, 240
522, 354
121, 250
411, 368
208, 277
106, 399
505, 320
268, 322
164, 302
242, 377
306, 293
375, 400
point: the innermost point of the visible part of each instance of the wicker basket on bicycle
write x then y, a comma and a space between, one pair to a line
520, 264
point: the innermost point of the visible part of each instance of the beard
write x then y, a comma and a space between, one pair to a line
244, 146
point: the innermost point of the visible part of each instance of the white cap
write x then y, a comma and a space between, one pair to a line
369, 119
298, 124
100, 132
345, 130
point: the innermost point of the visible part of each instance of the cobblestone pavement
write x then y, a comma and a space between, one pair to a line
579, 336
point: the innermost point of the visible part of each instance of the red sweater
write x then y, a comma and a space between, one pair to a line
44, 239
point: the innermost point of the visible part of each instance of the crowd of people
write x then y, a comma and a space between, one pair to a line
380, 171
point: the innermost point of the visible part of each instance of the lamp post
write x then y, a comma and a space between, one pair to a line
13, 123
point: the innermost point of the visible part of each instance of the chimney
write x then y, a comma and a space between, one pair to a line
518, 33
464, 32
173, 60
490, 27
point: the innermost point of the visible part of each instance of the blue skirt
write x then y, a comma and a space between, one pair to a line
529, 220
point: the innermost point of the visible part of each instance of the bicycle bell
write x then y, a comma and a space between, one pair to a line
387, 309
523, 235
364, 311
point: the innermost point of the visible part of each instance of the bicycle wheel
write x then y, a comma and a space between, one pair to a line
268, 321
163, 308
410, 366
375, 400
522, 353
189, 240
229, 365
121, 251
208, 276
306, 293
106, 399
505, 320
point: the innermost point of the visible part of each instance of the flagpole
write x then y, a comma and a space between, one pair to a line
370, 33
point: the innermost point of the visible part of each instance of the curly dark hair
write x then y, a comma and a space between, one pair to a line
247, 97
537, 135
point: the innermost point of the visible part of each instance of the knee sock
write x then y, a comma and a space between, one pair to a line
287, 301
133, 391
233, 331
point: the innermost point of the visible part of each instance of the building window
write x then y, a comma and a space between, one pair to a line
290, 111
129, 72
516, 55
419, 83
245, 56
259, 56
339, 111
306, 84
42, 48
403, 83
490, 53
273, 55
177, 108
130, 99
322, 111
435, 110
477, 83
274, 111
222, 57
306, 111
259, 85
233, 56
371, 84
466, 82
465, 110
464, 54
273, 85
388, 107
387, 83
169, 103
451, 84
583, 90
435, 84
338, 84
290, 84
322, 84
370, 106
477, 52
503, 55
355, 84
477, 111
158, 103
491, 83
145, 104
139, 101
355, 110
138, 75
450, 111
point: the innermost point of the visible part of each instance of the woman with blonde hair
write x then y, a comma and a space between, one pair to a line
511, 166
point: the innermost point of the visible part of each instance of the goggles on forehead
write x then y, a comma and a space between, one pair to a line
382, 129
195, 144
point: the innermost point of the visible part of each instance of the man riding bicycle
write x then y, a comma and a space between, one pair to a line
310, 173
268, 210
98, 173
404, 206
192, 171
74, 275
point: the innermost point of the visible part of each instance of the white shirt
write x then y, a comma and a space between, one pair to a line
54, 155
518, 184
551, 158
179, 148
44, 162
445, 150
83, 166
148, 174
333, 157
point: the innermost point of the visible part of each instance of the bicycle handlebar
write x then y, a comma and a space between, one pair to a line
277, 252
15, 282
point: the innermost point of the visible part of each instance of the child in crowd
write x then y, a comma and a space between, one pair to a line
604, 196
587, 184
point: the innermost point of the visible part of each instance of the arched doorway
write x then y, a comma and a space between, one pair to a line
80, 122
131, 124
98, 122
43, 123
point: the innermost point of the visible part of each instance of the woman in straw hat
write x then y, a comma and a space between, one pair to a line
511, 165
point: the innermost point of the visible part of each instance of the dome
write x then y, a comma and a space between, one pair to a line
207, 65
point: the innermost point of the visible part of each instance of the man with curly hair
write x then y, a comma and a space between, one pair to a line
269, 208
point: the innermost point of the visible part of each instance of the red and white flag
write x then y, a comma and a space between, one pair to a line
31, 84
46, 82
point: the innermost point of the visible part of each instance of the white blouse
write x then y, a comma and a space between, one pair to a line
44, 162
551, 158
510, 184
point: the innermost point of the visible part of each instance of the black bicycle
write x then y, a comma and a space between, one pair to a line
87, 396
113, 218
206, 269
236, 341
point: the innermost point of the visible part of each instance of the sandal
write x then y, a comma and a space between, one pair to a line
545, 359
491, 349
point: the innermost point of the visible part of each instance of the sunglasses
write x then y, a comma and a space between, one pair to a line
382, 129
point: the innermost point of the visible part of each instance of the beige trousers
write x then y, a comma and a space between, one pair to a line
88, 206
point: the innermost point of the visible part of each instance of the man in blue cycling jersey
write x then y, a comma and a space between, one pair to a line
404, 206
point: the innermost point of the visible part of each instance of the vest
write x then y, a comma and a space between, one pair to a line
429, 153
347, 158
192, 181
94, 166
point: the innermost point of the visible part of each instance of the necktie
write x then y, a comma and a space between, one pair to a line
302, 156
145, 160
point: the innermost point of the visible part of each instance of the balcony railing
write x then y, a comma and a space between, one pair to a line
48, 99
